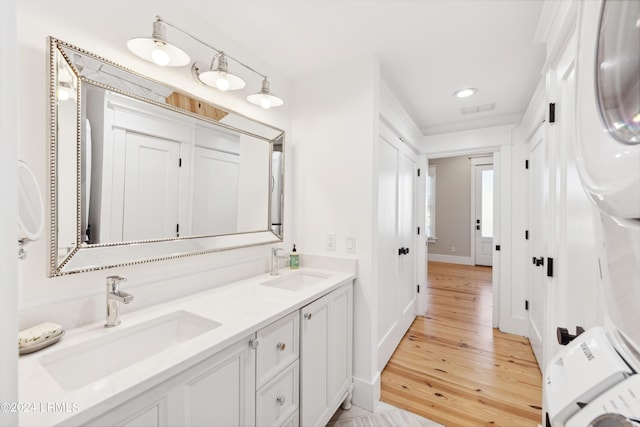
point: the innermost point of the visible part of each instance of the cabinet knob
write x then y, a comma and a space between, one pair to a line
307, 316
281, 400
281, 346
253, 343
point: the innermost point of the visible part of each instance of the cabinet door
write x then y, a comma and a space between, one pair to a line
221, 390
325, 355
149, 409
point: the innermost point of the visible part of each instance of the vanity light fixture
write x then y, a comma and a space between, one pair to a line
220, 77
157, 50
465, 93
265, 98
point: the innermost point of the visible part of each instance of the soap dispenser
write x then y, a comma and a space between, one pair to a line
294, 259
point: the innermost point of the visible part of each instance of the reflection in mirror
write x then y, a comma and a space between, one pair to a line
141, 171
30, 209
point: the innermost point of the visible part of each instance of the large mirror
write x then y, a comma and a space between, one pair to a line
141, 171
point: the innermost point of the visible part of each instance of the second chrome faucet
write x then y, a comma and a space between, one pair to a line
274, 260
114, 297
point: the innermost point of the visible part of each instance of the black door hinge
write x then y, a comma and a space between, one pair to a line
526, 234
177, 230
526, 164
526, 305
552, 112
549, 267
418, 231
418, 171
180, 162
418, 286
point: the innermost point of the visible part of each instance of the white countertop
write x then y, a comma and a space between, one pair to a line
242, 308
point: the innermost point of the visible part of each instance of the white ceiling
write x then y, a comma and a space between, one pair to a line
427, 48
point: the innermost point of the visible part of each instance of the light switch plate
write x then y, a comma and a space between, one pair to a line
350, 244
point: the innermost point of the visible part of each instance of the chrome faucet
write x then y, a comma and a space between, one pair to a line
114, 297
274, 260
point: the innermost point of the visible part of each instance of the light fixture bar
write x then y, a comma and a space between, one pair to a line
211, 47
158, 50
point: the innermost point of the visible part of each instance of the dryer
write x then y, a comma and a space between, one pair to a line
595, 380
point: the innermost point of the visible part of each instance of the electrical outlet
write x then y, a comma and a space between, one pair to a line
453, 248
331, 242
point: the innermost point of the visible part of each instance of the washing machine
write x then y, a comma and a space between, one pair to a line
595, 380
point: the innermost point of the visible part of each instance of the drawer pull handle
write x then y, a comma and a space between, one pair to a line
281, 400
307, 316
281, 346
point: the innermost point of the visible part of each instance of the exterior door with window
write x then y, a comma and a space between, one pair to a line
484, 214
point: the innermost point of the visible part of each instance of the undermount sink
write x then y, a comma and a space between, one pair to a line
297, 281
87, 362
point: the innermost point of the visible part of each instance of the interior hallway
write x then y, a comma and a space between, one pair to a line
454, 368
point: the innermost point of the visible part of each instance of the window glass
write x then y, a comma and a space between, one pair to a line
487, 203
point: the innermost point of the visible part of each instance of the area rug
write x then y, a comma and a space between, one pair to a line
387, 416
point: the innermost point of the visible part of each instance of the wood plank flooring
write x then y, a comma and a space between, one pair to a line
452, 367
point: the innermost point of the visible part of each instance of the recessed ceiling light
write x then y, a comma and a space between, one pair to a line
464, 93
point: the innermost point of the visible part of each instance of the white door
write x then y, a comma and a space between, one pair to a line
407, 298
538, 238
215, 192
396, 261
483, 214
151, 183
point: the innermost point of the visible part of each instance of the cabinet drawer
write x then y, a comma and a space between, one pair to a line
278, 400
277, 347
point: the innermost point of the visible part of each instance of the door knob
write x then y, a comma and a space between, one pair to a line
564, 337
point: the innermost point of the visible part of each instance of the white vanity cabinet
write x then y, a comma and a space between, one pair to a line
326, 347
219, 391
294, 371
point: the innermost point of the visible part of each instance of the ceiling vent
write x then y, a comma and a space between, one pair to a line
478, 109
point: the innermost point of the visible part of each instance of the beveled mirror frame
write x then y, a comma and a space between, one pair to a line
89, 257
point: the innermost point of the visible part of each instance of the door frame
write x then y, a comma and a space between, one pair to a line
500, 163
477, 161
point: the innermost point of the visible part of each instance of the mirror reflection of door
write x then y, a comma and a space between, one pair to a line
151, 179
483, 214
215, 192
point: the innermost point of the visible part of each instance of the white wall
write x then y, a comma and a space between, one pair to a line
334, 131
79, 299
8, 213
467, 142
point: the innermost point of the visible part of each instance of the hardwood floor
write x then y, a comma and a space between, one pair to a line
452, 367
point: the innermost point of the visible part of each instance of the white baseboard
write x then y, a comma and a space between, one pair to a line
452, 259
366, 394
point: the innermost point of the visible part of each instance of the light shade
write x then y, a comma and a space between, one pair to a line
157, 49
220, 77
464, 93
264, 98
